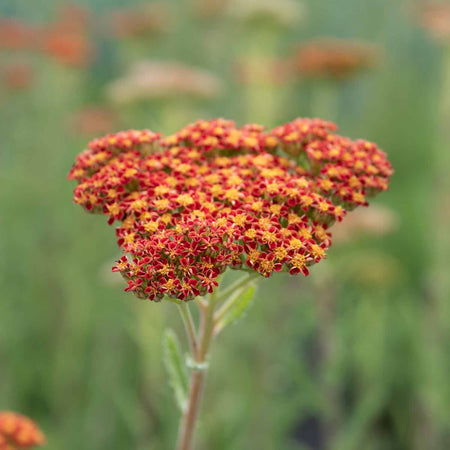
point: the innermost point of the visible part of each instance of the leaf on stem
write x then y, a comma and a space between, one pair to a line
236, 308
176, 368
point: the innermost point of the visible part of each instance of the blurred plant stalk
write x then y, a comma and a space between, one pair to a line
329, 63
261, 93
442, 188
325, 100
264, 22
377, 222
326, 291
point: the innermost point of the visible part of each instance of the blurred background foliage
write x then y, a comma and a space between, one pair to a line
354, 356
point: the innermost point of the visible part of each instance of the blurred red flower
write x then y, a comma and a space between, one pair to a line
67, 40
17, 75
137, 22
17, 35
67, 47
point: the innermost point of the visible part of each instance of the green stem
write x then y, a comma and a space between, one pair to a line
198, 375
200, 344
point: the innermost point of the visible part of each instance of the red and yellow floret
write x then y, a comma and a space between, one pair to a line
213, 196
18, 432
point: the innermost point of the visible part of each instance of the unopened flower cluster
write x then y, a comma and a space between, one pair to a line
18, 432
213, 196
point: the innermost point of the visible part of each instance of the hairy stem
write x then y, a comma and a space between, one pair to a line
187, 428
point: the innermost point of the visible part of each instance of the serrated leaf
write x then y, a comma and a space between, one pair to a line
176, 368
238, 307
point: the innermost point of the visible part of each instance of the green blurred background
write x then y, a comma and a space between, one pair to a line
355, 356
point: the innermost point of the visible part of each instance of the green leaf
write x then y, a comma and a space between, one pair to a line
176, 368
237, 307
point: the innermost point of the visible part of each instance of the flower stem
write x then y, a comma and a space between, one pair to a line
186, 433
198, 375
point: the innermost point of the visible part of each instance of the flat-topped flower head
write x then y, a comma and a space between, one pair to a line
214, 196
18, 432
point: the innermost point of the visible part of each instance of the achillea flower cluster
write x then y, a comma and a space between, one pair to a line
18, 432
333, 58
214, 196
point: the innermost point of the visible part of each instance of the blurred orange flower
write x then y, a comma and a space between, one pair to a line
18, 432
66, 47
334, 58
67, 39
